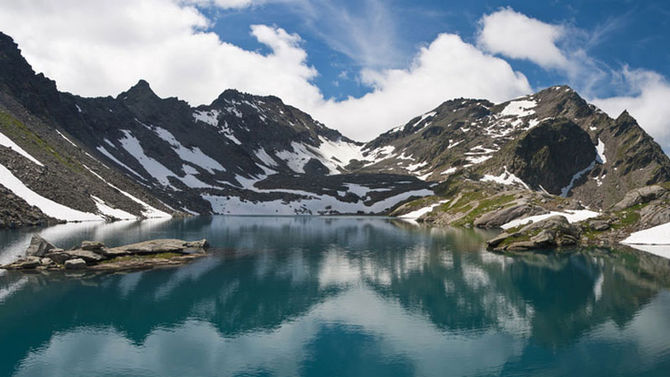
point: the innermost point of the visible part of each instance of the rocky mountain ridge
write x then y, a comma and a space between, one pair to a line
139, 155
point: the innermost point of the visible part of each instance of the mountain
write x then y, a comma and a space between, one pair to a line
551, 141
241, 154
66, 157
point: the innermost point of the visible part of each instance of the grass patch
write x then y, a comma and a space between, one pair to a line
484, 206
15, 129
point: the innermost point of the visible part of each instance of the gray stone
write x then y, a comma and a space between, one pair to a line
92, 245
59, 257
599, 225
38, 246
75, 264
46, 261
495, 219
87, 255
640, 195
544, 238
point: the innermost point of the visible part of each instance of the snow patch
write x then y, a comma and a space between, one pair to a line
48, 206
600, 152
104, 151
572, 216
422, 211
658, 235
520, 108
7, 142
193, 155
566, 190
106, 210
506, 178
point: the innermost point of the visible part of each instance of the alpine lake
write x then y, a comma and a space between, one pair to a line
334, 296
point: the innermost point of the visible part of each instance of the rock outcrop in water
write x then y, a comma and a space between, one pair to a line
42, 255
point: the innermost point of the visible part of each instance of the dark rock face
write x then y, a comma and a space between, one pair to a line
549, 154
467, 138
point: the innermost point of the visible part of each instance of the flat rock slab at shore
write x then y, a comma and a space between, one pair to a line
95, 256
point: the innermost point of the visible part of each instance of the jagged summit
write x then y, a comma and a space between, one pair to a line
245, 153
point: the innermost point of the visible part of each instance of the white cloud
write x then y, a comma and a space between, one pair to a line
649, 106
447, 68
167, 43
518, 36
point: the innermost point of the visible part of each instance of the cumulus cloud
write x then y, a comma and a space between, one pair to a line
447, 68
168, 43
518, 36
649, 104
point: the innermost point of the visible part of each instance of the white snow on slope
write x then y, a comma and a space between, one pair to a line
297, 158
104, 151
600, 152
315, 204
210, 117
265, 157
654, 240
107, 210
506, 178
193, 155
477, 159
658, 235
449, 171
7, 142
572, 216
155, 168
340, 152
148, 212
48, 206
520, 108
565, 190
66, 139
422, 211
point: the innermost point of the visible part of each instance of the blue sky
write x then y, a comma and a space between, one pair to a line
616, 33
363, 66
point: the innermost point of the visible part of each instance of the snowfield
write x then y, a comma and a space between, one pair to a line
313, 205
422, 211
48, 206
572, 216
7, 142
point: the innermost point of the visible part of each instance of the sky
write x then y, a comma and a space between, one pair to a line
359, 66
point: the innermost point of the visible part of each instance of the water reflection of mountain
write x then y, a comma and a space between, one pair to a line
277, 274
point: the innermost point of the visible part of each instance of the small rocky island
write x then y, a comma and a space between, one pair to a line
95, 256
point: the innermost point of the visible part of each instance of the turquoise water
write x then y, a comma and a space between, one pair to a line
312, 296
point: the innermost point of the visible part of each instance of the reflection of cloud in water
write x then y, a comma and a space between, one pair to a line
189, 272
67, 235
11, 288
196, 347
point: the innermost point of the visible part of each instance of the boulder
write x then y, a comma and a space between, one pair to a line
655, 214
92, 245
495, 219
599, 225
39, 246
75, 264
639, 196
551, 232
86, 255
59, 257
495, 241
159, 246
46, 261
27, 263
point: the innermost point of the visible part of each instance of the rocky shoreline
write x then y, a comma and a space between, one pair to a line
532, 220
42, 255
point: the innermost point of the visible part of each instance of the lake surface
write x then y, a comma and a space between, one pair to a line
314, 296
